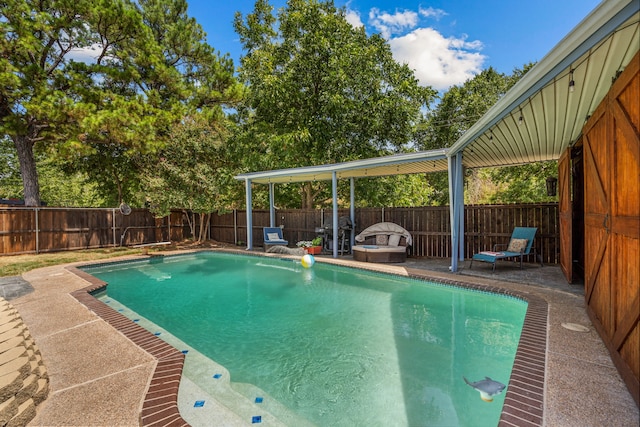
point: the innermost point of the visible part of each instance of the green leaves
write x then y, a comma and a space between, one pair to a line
322, 91
78, 74
460, 107
193, 172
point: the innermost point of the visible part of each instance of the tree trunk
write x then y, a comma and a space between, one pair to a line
204, 226
307, 196
190, 220
24, 147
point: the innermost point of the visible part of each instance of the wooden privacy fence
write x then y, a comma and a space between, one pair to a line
36, 230
430, 227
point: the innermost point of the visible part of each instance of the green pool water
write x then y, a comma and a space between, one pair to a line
335, 345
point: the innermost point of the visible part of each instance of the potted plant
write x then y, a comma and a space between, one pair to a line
312, 247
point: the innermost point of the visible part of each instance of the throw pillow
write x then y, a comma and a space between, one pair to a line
382, 239
517, 245
394, 240
273, 236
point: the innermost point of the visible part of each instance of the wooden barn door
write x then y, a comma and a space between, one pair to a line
612, 222
566, 215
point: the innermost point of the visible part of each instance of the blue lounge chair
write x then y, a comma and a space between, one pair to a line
273, 237
521, 244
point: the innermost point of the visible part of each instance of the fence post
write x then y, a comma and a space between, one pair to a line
235, 227
37, 232
113, 226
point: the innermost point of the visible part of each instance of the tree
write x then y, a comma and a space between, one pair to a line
182, 74
39, 77
84, 75
193, 173
113, 169
460, 107
320, 91
57, 187
523, 184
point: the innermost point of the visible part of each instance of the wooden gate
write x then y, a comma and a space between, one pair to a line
612, 222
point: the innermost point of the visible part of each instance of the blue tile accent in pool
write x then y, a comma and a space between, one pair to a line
216, 376
157, 333
256, 419
185, 351
259, 399
199, 404
136, 320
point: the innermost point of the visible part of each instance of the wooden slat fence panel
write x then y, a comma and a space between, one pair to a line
485, 225
17, 231
65, 229
224, 231
35, 230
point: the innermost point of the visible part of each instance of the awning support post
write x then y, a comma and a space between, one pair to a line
272, 208
249, 215
352, 211
334, 189
456, 209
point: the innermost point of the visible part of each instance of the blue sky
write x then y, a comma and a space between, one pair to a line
445, 42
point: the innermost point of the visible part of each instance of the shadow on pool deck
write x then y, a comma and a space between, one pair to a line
99, 377
548, 276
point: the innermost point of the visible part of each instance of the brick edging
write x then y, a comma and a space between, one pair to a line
160, 406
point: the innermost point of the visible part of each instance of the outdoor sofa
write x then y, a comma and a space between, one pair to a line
384, 242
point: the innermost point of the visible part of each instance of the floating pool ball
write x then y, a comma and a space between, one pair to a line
307, 261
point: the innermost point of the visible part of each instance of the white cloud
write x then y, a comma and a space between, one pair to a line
431, 12
353, 18
438, 61
388, 24
88, 55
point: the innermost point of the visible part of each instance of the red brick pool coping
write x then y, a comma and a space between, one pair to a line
160, 406
524, 399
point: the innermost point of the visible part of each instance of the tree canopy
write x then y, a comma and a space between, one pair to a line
459, 108
81, 75
124, 100
320, 90
194, 172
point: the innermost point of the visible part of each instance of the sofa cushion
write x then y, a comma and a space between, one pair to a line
382, 239
394, 240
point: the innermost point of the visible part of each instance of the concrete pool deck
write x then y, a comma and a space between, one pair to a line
100, 377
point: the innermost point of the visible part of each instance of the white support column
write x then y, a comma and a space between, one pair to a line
352, 212
456, 209
460, 201
453, 212
249, 215
272, 208
334, 189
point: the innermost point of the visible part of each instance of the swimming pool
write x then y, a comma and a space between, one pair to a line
351, 348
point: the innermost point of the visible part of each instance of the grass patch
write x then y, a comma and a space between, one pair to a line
15, 265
